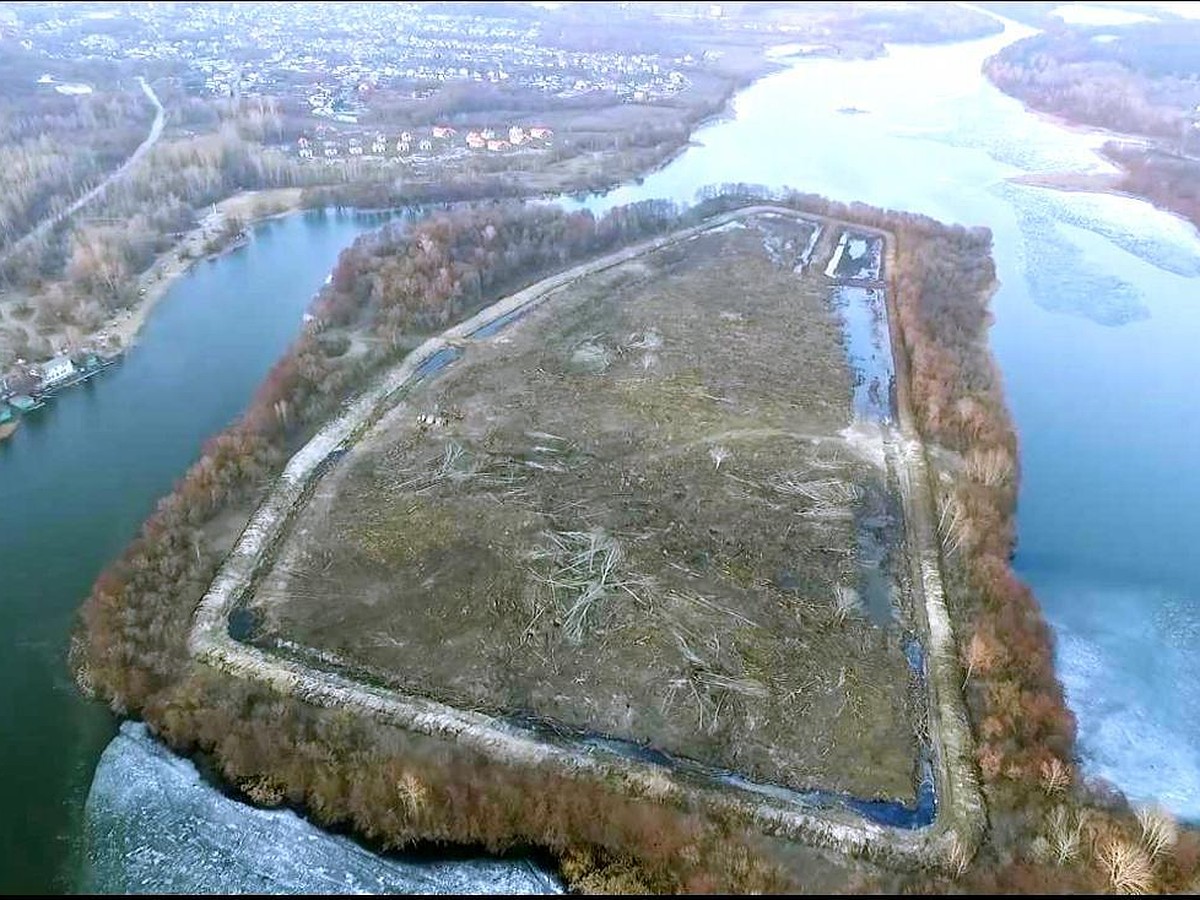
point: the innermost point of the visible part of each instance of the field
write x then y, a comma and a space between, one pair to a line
646, 513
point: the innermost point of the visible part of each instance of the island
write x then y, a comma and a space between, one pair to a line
664, 541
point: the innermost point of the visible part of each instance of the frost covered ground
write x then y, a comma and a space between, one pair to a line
153, 825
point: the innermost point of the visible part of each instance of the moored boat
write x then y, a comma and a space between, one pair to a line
8, 422
23, 403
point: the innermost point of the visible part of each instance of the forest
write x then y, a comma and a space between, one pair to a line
1142, 81
54, 146
1167, 180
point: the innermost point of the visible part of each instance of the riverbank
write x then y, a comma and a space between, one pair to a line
246, 208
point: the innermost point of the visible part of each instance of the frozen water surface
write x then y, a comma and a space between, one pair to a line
154, 825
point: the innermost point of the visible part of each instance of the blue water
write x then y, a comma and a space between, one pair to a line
80, 476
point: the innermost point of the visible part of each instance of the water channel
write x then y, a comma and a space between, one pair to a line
1095, 321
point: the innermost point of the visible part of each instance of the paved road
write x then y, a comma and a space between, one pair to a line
48, 224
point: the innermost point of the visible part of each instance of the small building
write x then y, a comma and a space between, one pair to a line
426, 145
540, 133
516, 135
488, 134
443, 131
379, 145
475, 140
499, 145
406, 137
56, 371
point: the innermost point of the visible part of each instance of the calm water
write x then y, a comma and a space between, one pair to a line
1096, 320
81, 475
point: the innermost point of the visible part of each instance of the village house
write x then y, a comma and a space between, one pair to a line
516, 135
355, 148
406, 137
488, 134
56, 371
475, 140
331, 148
425, 145
499, 145
540, 133
443, 131
379, 145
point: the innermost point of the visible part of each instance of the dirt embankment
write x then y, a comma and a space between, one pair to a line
960, 812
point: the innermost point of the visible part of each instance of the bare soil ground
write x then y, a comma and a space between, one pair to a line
634, 513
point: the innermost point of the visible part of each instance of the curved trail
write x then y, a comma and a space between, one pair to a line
51, 222
959, 820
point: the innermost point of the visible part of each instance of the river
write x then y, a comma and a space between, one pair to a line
79, 477
1095, 321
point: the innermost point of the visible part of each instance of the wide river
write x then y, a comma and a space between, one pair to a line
1097, 317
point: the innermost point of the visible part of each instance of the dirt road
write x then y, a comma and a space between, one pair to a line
51, 222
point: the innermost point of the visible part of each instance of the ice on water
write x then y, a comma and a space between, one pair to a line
154, 825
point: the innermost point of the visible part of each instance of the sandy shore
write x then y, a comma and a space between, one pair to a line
154, 283
1091, 182
120, 332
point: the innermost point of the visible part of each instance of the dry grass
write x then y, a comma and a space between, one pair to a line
584, 571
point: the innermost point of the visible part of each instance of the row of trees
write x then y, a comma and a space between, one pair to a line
1050, 831
1171, 182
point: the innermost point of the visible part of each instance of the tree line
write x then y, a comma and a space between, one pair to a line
1113, 85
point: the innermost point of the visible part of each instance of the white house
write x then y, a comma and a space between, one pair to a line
56, 370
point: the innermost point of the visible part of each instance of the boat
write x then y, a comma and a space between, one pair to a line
8, 422
24, 403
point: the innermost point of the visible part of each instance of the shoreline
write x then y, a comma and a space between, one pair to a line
1097, 182
172, 264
